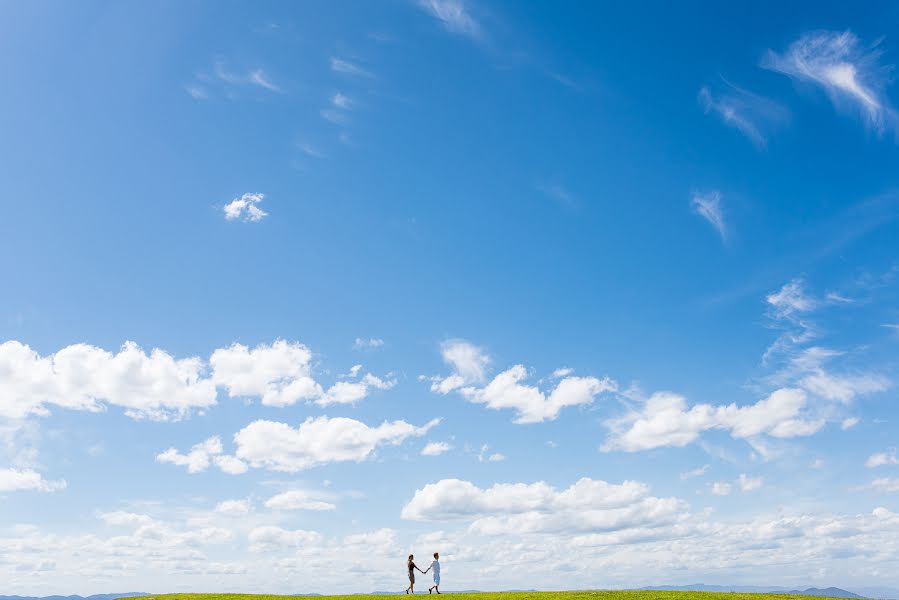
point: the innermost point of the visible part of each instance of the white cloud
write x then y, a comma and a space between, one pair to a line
708, 206
345, 67
496, 457
849, 423
259, 77
721, 488
469, 364
367, 344
341, 101
281, 374
791, 299
256, 77
748, 484
746, 112
665, 420
280, 447
454, 16
435, 448
882, 458
196, 92
13, 480
849, 73
697, 472
298, 500
201, 456
246, 208
233, 508
506, 391
885, 484
83, 377
270, 538
586, 506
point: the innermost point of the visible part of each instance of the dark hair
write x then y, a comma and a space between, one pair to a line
435, 554
410, 557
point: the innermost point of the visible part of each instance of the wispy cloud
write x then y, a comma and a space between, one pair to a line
746, 112
849, 72
255, 77
339, 65
454, 16
258, 77
246, 208
558, 193
708, 206
310, 150
341, 101
196, 92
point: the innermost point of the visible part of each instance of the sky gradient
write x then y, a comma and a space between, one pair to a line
581, 295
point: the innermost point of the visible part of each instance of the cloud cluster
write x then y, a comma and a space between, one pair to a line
748, 113
151, 385
12, 480
202, 455
298, 500
281, 375
280, 447
506, 390
665, 420
155, 385
850, 73
586, 506
246, 208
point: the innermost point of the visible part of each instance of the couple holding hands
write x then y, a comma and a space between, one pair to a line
435, 566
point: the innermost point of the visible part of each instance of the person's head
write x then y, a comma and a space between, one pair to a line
410, 557
436, 556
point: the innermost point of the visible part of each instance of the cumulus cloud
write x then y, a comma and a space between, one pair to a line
697, 472
708, 206
748, 484
233, 508
246, 208
151, 385
882, 458
281, 374
886, 484
721, 488
201, 456
14, 480
587, 505
270, 538
849, 72
454, 16
298, 500
506, 390
280, 447
748, 113
849, 423
665, 420
435, 449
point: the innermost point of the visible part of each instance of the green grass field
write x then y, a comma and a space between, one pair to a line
580, 595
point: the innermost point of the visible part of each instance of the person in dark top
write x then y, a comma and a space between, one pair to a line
410, 564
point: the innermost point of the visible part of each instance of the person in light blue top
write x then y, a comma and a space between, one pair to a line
435, 566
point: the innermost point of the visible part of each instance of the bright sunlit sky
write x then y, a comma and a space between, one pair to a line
578, 294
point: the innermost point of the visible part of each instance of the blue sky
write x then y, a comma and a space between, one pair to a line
577, 295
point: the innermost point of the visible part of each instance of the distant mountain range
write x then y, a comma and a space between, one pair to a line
94, 597
831, 592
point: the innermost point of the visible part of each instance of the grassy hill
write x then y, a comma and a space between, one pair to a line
580, 595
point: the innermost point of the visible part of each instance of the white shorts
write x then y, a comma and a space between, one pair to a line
436, 579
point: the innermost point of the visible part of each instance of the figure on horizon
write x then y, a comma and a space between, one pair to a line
436, 567
410, 564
